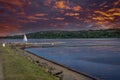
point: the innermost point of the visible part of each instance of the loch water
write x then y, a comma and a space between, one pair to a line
96, 57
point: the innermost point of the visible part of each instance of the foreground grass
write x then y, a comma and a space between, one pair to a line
16, 67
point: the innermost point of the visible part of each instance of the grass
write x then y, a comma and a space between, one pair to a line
17, 67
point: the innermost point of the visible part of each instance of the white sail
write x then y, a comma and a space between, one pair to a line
25, 38
3, 44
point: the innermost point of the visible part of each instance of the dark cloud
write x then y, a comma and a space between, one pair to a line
19, 16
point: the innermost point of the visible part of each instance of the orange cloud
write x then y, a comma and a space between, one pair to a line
111, 15
77, 8
102, 18
36, 17
40, 14
116, 14
14, 2
33, 18
14, 6
8, 28
59, 18
116, 3
114, 10
66, 5
61, 5
102, 13
72, 14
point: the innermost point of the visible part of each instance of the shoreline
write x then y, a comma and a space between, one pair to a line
81, 73
58, 70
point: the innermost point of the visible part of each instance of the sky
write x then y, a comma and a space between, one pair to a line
24, 16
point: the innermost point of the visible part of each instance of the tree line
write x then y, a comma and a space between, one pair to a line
111, 33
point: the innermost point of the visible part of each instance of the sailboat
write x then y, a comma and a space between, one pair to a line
25, 38
3, 44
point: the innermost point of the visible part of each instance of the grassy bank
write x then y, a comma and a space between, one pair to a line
16, 67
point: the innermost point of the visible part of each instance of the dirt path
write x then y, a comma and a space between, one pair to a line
1, 75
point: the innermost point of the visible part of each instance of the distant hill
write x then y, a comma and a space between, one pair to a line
111, 33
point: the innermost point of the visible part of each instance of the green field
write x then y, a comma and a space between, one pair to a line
17, 67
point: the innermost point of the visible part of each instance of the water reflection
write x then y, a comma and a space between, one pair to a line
100, 61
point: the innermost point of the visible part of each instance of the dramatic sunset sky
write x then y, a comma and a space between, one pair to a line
22, 16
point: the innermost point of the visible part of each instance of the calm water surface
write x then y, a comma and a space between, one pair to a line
97, 57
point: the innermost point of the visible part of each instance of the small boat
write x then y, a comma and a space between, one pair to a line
25, 38
3, 44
